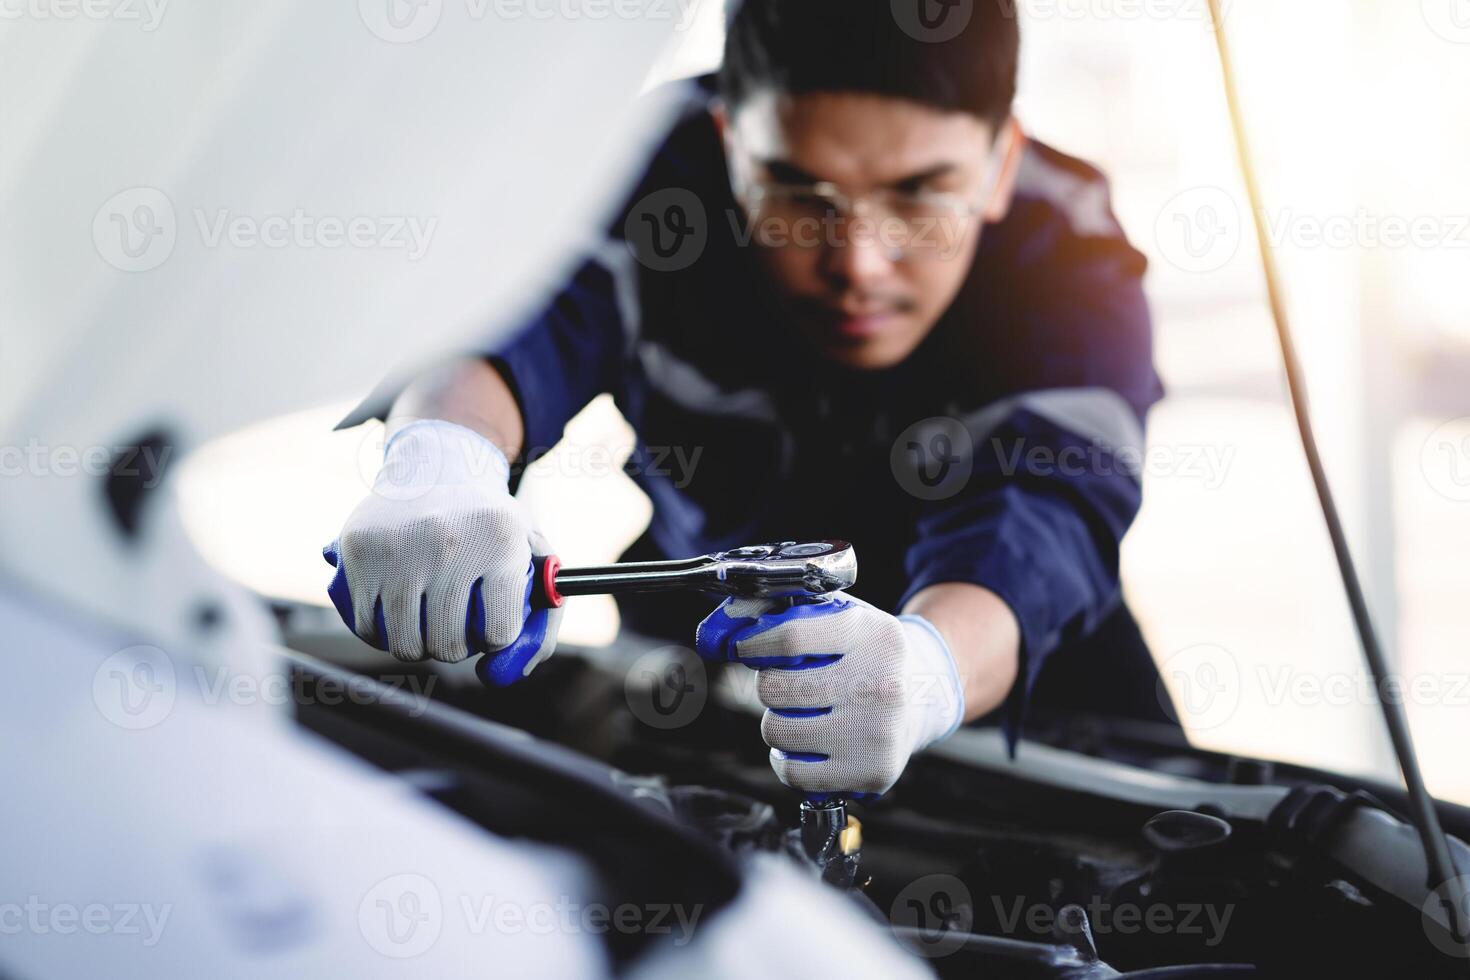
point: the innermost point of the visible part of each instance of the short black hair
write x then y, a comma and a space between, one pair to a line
967, 61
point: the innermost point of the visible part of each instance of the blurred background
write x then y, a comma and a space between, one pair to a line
1352, 109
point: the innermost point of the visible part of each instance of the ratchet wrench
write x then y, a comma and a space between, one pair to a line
764, 571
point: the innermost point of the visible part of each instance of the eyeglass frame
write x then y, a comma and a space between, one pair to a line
1010, 141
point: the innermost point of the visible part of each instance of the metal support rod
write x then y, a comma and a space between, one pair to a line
1440, 864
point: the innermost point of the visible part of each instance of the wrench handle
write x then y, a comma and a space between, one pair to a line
762, 571
550, 589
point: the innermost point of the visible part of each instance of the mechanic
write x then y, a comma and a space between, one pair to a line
872, 309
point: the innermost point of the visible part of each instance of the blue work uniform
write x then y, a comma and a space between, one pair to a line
1005, 451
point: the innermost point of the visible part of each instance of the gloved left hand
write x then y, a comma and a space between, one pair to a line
850, 691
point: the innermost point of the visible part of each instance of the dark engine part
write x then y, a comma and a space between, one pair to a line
984, 871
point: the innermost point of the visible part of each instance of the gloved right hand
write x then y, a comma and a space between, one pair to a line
436, 561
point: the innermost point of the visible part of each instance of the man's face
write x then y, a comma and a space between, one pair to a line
865, 283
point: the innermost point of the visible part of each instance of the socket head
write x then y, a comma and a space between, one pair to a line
786, 568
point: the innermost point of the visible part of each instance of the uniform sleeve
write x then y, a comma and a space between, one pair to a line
570, 352
1054, 479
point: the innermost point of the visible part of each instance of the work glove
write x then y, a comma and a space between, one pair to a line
850, 691
436, 561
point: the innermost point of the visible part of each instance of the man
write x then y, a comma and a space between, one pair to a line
877, 313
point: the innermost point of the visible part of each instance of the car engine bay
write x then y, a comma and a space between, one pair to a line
1102, 848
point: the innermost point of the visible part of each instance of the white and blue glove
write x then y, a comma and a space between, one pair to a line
436, 561
850, 691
